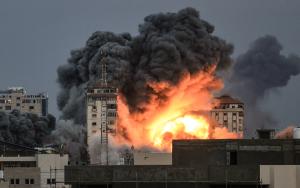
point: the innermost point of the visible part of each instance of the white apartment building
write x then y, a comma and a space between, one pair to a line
17, 98
101, 121
34, 171
229, 112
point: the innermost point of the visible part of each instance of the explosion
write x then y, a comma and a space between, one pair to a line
182, 113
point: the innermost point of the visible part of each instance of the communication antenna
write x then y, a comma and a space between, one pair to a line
103, 77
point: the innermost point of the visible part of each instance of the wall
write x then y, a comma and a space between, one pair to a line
151, 158
53, 161
280, 176
192, 153
22, 173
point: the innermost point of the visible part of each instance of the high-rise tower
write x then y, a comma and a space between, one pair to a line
101, 116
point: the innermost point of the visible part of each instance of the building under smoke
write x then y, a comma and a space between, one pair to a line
229, 113
16, 98
101, 112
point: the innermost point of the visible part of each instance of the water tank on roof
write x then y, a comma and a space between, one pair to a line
296, 133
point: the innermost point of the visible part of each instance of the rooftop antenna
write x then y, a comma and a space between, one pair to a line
103, 62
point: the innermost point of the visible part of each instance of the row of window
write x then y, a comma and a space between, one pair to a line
26, 96
17, 181
9, 107
111, 122
51, 181
241, 114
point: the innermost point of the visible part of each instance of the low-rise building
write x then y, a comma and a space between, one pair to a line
16, 98
234, 163
24, 167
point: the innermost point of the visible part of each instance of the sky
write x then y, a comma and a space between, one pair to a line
37, 36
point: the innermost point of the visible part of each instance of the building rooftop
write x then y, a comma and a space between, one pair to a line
226, 99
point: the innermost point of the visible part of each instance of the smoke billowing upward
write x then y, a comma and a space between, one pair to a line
168, 46
258, 71
25, 128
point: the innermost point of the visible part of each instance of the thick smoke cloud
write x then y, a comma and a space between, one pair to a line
258, 71
168, 46
71, 137
25, 129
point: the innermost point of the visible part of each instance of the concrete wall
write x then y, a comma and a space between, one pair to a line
151, 158
102, 174
280, 176
48, 163
192, 153
22, 173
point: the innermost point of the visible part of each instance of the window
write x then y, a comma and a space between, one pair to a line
50, 181
0, 107
7, 107
18, 104
94, 123
240, 121
26, 181
241, 114
225, 123
17, 181
31, 107
31, 181
18, 98
94, 115
233, 158
12, 181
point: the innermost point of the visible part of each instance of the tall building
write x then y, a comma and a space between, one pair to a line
229, 113
101, 113
16, 98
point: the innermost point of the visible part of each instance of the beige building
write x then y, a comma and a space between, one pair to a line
229, 113
17, 98
101, 116
152, 158
38, 171
280, 176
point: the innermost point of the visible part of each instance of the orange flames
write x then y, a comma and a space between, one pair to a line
183, 113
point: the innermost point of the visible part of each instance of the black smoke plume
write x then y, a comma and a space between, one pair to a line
257, 72
168, 45
25, 128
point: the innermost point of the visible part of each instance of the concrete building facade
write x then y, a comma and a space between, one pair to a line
278, 176
36, 171
201, 164
101, 116
229, 112
16, 98
152, 158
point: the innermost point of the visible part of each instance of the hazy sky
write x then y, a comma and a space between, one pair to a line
37, 36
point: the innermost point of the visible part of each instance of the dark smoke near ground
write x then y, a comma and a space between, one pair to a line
71, 137
258, 71
24, 128
167, 46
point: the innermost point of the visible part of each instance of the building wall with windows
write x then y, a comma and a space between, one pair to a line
229, 112
101, 113
39, 170
16, 98
22, 177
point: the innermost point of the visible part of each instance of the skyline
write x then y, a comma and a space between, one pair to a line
46, 38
